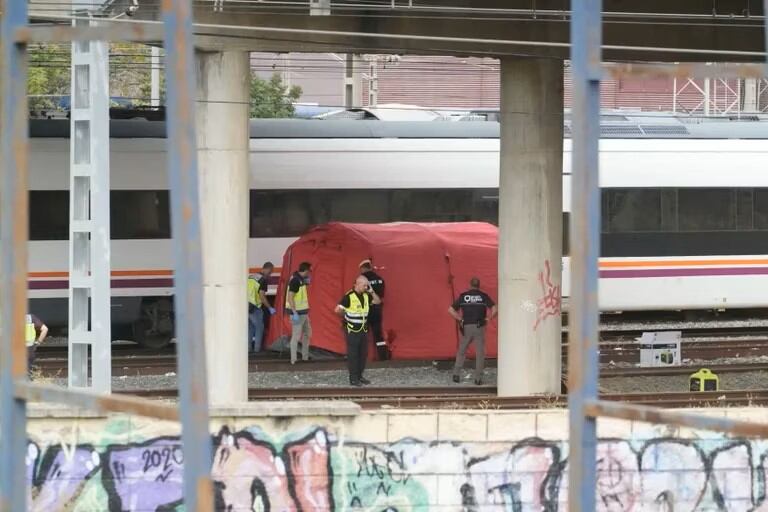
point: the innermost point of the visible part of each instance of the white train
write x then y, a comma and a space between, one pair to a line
685, 206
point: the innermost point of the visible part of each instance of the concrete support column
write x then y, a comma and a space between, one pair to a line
530, 226
223, 141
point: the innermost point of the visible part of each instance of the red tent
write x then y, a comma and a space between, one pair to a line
425, 266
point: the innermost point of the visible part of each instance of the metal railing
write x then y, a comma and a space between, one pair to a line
15, 389
583, 369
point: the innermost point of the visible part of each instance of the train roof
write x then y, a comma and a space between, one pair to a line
612, 126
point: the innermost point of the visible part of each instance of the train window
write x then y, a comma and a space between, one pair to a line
632, 210
367, 206
706, 209
669, 210
279, 213
431, 205
48, 215
140, 214
135, 214
760, 208
744, 209
288, 213
566, 233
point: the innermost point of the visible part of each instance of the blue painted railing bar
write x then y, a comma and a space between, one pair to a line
187, 251
14, 223
632, 412
15, 390
108, 31
585, 249
583, 368
91, 400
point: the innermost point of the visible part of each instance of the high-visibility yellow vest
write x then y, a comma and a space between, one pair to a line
29, 331
356, 314
300, 299
254, 297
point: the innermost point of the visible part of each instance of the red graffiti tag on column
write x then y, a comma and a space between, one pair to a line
551, 297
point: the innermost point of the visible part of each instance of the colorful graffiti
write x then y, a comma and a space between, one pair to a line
314, 470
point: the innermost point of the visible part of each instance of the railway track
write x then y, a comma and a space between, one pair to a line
141, 362
482, 397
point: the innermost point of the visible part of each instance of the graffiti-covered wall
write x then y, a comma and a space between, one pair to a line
391, 462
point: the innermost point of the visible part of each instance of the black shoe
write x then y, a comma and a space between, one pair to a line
456, 379
356, 384
478, 382
364, 381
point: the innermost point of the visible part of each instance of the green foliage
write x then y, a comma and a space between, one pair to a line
272, 98
130, 77
49, 74
129, 72
145, 89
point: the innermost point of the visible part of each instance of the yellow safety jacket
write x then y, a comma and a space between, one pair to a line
300, 299
356, 315
254, 297
29, 331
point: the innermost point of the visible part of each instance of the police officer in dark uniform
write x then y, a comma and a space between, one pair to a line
376, 318
473, 305
355, 306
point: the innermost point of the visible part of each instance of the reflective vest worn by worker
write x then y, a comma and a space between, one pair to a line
356, 315
300, 298
29, 331
254, 297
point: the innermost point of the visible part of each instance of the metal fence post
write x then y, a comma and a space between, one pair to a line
586, 38
188, 278
14, 222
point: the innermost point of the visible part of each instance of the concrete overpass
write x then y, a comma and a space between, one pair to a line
632, 28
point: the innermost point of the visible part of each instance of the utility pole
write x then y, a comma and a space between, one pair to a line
90, 311
373, 82
707, 97
155, 77
750, 95
352, 85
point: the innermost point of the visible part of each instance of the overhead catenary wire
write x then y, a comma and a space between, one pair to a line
446, 39
276, 67
533, 14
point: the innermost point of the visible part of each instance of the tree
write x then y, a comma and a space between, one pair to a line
272, 98
49, 74
145, 89
129, 76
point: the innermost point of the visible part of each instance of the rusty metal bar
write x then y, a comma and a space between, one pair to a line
586, 35
631, 412
14, 221
84, 399
109, 31
187, 250
685, 70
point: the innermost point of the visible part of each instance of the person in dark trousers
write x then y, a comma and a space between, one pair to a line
35, 332
297, 306
258, 307
266, 272
355, 306
376, 318
473, 305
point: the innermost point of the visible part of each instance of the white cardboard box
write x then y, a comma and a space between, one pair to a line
660, 348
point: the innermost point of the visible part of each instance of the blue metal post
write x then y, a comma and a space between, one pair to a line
13, 257
188, 276
586, 38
